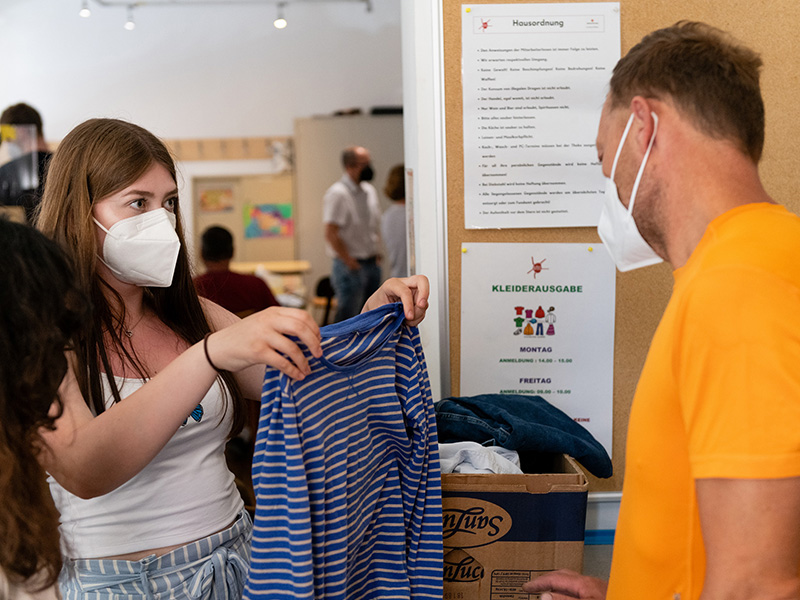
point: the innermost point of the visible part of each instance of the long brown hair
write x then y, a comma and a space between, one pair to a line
95, 160
40, 309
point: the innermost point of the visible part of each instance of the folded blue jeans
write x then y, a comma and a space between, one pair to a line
522, 423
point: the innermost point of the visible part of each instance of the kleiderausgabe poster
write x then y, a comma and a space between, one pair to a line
538, 319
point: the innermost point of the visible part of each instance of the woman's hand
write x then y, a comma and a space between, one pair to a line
262, 338
411, 291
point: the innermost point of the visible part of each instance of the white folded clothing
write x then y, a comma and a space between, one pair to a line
471, 457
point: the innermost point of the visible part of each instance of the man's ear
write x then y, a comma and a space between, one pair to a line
643, 123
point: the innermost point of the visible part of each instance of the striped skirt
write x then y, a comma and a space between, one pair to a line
214, 568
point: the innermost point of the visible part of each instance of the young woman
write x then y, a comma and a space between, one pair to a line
157, 380
40, 308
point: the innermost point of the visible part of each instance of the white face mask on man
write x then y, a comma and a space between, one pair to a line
142, 250
616, 227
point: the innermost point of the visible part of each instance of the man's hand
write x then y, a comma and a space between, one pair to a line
351, 263
339, 247
566, 585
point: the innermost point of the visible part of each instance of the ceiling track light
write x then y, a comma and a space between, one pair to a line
130, 24
368, 4
280, 22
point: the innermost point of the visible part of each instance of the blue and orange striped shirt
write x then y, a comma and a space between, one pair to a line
346, 471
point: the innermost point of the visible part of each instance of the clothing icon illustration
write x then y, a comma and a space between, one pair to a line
536, 322
550, 319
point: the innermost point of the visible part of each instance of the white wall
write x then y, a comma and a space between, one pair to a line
318, 146
198, 71
425, 154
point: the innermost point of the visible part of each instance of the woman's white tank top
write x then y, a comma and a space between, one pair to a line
184, 494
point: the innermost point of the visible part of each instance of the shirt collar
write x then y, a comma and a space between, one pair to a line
351, 185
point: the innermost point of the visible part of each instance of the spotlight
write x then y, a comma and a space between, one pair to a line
130, 25
280, 22
85, 12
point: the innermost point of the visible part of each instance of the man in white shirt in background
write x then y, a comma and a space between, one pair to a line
352, 215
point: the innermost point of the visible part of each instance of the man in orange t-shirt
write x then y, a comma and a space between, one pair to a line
711, 499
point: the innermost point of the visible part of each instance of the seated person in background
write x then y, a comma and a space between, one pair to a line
240, 294
40, 308
22, 179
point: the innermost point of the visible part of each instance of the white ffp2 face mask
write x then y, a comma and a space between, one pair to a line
616, 227
142, 250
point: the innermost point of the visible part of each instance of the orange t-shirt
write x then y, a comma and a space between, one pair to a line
719, 396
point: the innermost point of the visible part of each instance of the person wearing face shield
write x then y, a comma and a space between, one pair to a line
352, 216
22, 177
711, 498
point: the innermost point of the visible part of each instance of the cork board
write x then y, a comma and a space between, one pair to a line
641, 295
242, 192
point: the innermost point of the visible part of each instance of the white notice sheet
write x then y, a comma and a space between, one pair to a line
534, 80
538, 319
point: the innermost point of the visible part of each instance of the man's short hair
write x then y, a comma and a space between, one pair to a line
349, 157
216, 244
707, 74
22, 114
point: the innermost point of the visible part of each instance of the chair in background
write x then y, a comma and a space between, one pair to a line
324, 300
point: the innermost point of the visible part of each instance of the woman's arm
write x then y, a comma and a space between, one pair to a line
411, 291
280, 351
91, 456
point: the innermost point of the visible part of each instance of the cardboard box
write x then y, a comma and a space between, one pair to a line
503, 530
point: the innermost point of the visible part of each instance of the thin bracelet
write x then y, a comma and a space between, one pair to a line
208, 358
